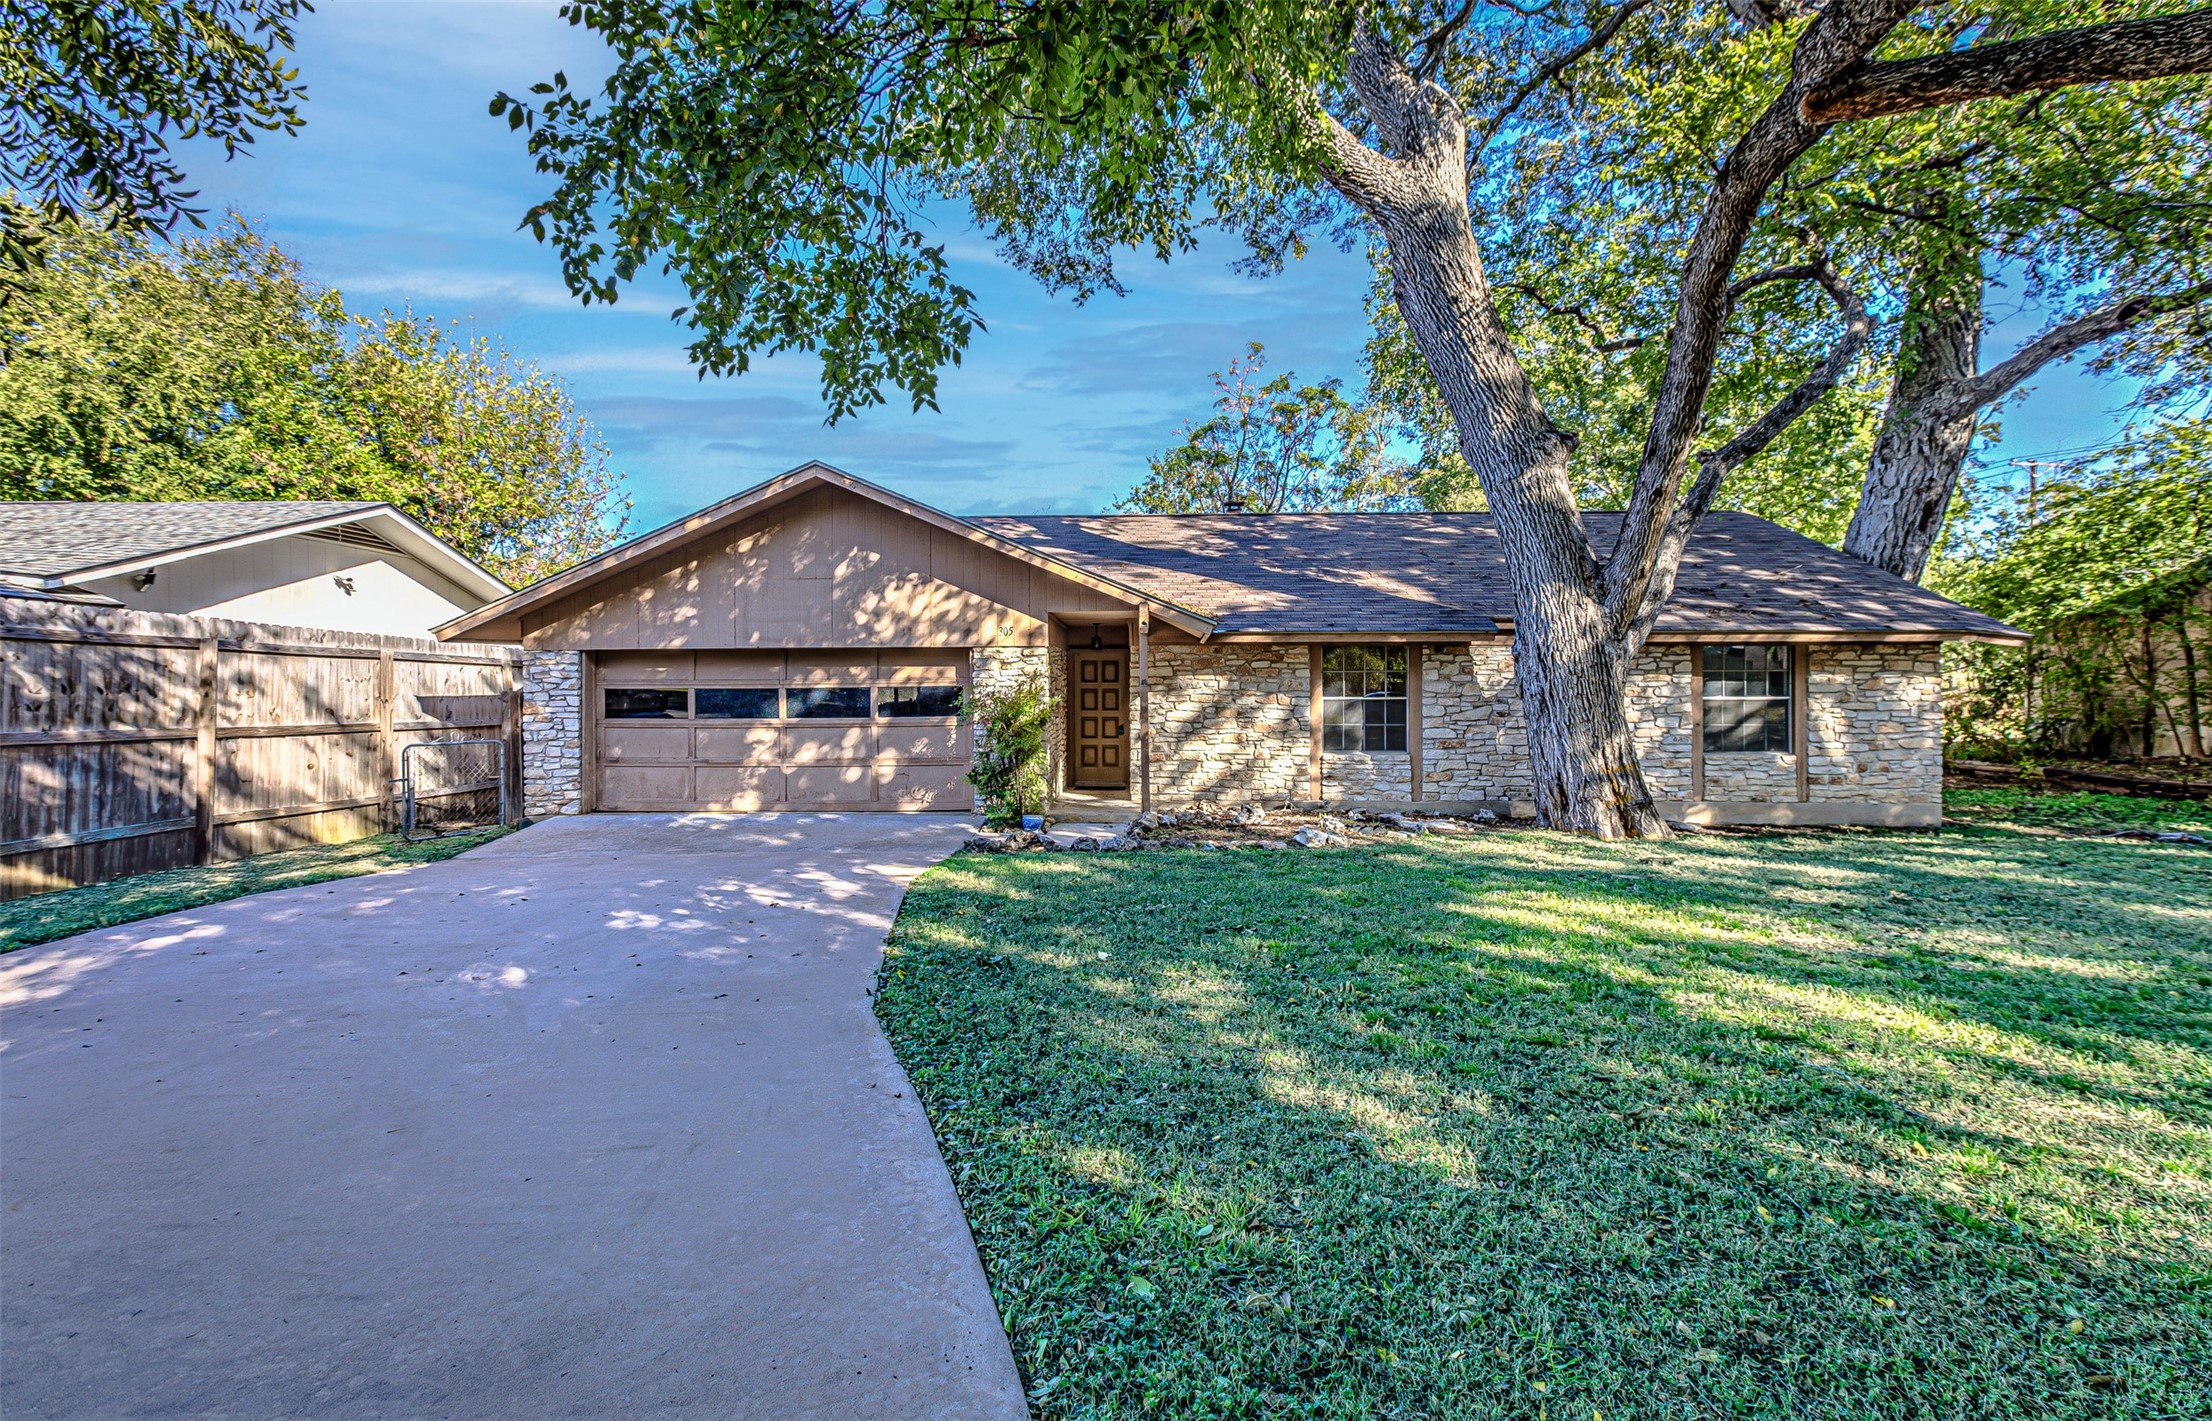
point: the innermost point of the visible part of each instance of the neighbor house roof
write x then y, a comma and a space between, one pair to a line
1433, 573
1324, 574
58, 545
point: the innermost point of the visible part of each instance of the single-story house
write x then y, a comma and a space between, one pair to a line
807, 644
353, 567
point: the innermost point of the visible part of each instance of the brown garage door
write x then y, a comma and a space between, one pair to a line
782, 730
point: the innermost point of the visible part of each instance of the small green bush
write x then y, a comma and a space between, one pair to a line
1009, 770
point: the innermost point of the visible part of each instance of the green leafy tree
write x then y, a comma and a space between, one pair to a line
1275, 447
214, 370
2109, 566
96, 91
779, 160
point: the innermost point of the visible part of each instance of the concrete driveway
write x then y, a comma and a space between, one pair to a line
593, 1121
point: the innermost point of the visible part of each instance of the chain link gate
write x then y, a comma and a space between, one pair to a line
452, 787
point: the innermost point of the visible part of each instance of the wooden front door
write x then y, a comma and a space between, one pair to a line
1098, 718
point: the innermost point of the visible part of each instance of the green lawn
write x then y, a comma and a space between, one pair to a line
47, 916
1805, 1125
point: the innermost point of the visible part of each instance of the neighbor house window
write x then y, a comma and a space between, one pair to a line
625, 703
735, 703
1747, 698
827, 703
899, 702
1363, 698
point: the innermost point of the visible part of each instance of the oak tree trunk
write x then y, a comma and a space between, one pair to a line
1572, 672
1926, 432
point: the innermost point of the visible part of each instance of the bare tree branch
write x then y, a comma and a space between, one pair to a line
2064, 339
1715, 465
1558, 65
2127, 50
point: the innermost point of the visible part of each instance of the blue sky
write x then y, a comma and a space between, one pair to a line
402, 190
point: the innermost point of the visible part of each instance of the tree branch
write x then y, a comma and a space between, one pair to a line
1717, 464
2063, 340
1839, 37
1553, 68
2128, 50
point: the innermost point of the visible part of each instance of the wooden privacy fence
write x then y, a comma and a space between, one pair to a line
133, 741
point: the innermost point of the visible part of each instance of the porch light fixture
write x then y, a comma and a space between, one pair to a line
345, 584
143, 580
1098, 643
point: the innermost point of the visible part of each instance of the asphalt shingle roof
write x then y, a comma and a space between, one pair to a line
59, 539
1445, 572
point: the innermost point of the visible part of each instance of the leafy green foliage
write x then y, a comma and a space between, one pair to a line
1833, 1125
1587, 195
47, 916
778, 159
214, 370
1275, 447
2109, 568
96, 89
1010, 765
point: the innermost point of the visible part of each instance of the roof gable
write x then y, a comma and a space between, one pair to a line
54, 545
715, 518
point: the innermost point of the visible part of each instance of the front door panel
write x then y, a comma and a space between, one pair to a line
1098, 718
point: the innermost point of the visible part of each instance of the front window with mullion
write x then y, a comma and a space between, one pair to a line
1363, 699
1747, 699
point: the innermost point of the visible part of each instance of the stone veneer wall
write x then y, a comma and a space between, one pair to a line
1874, 725
552, 733
1229, 722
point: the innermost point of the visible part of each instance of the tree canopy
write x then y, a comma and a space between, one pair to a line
1276, 446
215, 370
98, 90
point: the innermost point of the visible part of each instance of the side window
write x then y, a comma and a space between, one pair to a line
1363, 698
646, 703
1747, 698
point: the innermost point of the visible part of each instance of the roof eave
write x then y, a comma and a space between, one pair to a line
422, 544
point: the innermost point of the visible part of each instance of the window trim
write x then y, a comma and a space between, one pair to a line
1326, 729
1792, 711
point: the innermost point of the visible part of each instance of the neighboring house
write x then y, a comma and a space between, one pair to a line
806, 643
357, 567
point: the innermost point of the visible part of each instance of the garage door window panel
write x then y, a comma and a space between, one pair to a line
916, 702
827, 703
646, 703
737, 703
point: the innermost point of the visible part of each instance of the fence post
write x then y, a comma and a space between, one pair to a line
203, 752
510, 735
387, 767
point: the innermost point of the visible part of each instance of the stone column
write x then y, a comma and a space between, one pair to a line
552, 733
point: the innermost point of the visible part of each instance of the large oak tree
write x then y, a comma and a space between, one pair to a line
779, 158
